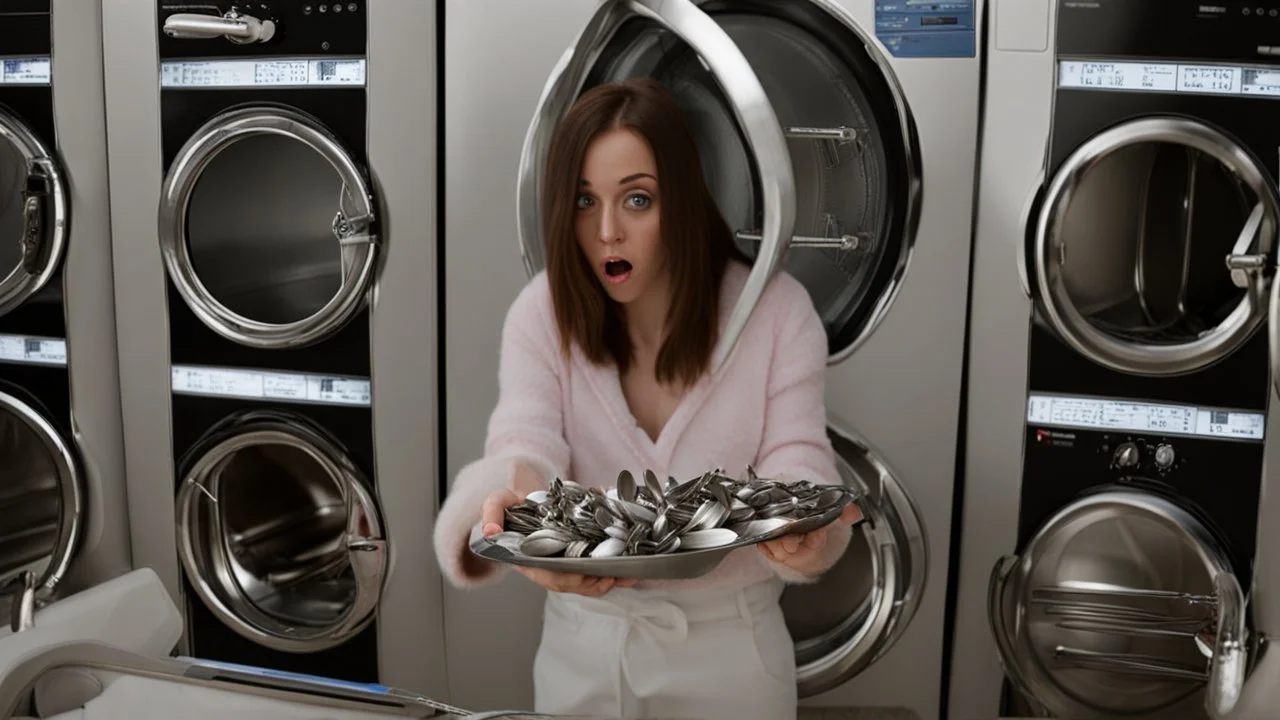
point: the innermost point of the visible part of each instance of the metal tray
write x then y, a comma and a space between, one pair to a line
680, 565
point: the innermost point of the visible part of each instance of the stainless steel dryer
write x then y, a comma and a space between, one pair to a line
1119, 408
819, 123
266, 253
63, 525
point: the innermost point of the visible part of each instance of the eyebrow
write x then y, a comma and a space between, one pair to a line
630, 178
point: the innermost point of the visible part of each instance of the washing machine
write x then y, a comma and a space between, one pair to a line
251, 132
63, 525
838, 140
1119, 403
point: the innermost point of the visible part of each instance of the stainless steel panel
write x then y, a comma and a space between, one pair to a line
88, 293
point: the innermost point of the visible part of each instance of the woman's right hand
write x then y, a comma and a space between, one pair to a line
491, 523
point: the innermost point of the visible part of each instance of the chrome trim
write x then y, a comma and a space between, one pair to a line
71, 500
1024, 222
204, 550
1054, 300
1273, 335
43, 243
354, 233
1230, 663
21, 592
237, 28
1229, 660
895, 534
746, 97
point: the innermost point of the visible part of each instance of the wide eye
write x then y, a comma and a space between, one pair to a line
584, 201
638, 201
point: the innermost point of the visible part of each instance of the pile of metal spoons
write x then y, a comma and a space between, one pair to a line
654, 518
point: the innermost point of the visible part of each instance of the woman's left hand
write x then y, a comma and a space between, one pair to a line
803, 553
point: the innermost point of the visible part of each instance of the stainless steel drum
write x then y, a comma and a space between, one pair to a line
1153, 247
1123, 604
267, 227
33, 213
41, 499
279, 533
852, 616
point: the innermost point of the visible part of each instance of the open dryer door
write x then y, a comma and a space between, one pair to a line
279, 533
1123, 604
268, 228
805, 139
852, 616
1153, 245
33, 213
41, 500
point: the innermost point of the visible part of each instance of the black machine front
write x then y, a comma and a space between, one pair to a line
269, 230
41, 492
1149, 252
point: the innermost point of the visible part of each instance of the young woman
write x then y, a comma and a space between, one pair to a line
605, 366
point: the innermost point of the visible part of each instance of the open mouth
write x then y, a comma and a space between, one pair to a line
616, 269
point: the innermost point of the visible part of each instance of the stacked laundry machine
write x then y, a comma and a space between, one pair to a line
275, 282
837, 138
1119, 397
62, 502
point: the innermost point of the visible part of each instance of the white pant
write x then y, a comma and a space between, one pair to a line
636, 653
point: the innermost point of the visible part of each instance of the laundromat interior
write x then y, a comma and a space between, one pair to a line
262, 258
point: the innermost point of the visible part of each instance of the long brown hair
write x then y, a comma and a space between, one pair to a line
696, 238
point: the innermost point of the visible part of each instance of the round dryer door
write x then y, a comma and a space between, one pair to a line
279, 533
41, 497
1122, 605
805, 141
33, 213
1153, 246
854, 614
267, 228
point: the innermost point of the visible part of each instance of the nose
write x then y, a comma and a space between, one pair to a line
610, 226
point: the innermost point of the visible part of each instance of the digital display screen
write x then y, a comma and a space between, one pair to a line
26, 70
1144, 417
303, 72
271, 385
1194, 78
33, 350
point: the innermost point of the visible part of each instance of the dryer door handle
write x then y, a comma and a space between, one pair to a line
239, 29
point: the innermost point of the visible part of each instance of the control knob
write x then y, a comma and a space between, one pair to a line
1127, 456
1165, 456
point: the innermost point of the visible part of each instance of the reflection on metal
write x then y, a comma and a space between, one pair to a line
279, 533
41, 499
239, 29
1163, 305
33, 213
841, 180
1122, 604
751, 109
267, 228
852, 616
21, 593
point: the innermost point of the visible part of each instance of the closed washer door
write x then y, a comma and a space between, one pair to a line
267, 228
33, 213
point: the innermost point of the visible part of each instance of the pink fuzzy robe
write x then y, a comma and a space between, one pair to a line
566, 417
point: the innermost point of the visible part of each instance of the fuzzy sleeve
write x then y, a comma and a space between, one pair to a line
526, 428
795, 444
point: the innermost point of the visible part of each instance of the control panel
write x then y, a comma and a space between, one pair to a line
1135, 455
1240, 30
278, 28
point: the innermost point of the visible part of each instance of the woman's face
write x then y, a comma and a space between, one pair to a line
617, 218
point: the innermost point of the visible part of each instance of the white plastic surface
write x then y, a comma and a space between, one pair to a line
132, 612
